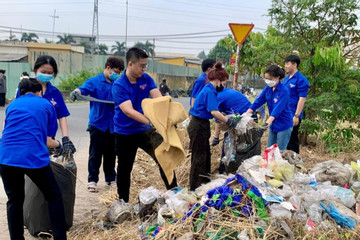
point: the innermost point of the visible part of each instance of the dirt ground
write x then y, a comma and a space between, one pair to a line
90, 208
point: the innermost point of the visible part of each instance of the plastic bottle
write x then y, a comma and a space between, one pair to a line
186, 122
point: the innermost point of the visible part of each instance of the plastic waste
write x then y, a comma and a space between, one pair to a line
313, 182
342, 220
278, 212
119, 211
149, 195
185, 123
315, 212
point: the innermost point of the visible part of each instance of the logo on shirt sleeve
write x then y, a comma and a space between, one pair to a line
53, 102
292, 85
143, 86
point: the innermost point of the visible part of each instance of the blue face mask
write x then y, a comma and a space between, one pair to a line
45, 78
113, 76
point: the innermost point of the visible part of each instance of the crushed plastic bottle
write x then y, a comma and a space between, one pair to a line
185, 123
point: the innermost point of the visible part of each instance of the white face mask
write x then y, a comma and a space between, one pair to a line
270, 83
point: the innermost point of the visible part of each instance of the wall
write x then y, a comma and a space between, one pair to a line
173, 61
13, 72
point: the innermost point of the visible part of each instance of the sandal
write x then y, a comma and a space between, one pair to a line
92, 187
112, 185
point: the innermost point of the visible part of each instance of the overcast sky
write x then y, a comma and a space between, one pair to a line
149, 18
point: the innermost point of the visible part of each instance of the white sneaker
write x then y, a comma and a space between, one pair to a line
92, 187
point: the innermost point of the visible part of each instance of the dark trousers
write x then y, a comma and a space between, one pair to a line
199, 133
126, 147
14, 184
294, 139
2, 99
102, 146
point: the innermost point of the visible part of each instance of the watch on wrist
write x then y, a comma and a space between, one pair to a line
297, 115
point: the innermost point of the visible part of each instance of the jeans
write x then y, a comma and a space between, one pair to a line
14, 184
281, 138
102, 146
126, 148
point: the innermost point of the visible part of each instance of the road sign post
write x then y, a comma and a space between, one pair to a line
240, 32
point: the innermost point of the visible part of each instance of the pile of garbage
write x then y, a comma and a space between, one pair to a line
270, 190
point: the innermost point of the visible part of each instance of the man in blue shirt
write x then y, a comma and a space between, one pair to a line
101, 122
298, 87
132, 129
201, 81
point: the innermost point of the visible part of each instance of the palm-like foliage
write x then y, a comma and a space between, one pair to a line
66, 39
86, 45
118, 49
101, 49
29, 37
148, 47
48, 41
12, 38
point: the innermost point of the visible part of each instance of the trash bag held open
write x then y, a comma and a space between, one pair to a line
36, 213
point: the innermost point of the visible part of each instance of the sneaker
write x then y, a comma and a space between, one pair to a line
92, 187
112, 185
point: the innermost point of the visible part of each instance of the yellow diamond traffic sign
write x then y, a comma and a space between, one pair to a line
240, 31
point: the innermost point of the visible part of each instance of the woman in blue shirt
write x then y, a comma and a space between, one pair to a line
46, 69
205, 108
276, 96
30, 124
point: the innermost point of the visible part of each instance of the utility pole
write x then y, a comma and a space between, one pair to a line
126, 26
54, 17
153, 55
95, 27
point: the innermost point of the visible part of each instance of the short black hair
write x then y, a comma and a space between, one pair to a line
2, 71
46, 59
207, 63
29, 85
115, 62
293, 59
164, 80
134, 54
275, 71
25, 74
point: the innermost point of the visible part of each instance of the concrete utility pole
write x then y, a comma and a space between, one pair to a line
126, 25
54, 17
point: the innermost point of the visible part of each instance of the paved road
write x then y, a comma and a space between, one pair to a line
77, 123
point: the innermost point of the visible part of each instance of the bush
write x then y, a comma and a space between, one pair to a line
76, 79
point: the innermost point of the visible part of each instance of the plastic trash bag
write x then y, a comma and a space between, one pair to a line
36, 213
332, 171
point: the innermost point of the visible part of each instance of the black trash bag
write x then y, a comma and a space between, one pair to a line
247, 146
36, 212
174, 93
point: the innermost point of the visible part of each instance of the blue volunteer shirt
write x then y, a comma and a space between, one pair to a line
232, 101
298, 87
123, 90
29, 121
53, 95
101, 114
277, 102
205, 102
199, 84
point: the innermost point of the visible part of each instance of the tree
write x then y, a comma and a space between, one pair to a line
101, 49
202, 55
12, 37
118, 49
324, 33
148, 47
220, 53
48, 41
66, 39
86, 45
31, 37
